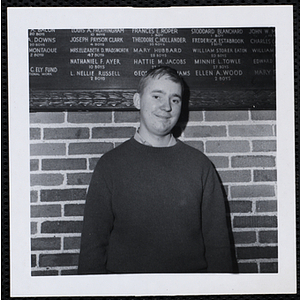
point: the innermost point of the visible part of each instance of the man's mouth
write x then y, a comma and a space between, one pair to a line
163, 116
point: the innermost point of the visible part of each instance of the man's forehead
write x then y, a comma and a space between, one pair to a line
159, 79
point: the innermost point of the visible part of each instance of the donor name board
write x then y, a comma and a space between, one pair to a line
90, 69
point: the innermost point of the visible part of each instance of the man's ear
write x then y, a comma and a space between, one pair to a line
137, 101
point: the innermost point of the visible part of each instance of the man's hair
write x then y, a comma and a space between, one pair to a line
158, 72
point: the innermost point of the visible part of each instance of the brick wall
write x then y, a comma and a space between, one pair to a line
65, 147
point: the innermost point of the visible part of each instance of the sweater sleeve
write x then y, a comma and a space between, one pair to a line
214, 226
97, 225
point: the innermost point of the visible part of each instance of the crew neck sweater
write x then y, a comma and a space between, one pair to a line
154, 210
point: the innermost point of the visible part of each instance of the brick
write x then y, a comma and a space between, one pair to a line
263, 115
66, 133
79, 178
63, 195
254, 221
253, 161
33, 227
74, 209
264, 146
127, 116
45, 244
244, 237
227, 146
93, 162
268, 237
253, 191
46, 179
33, 196
205, 131
265, 175
45, 273
196, 144
196, 116
47, 117
64, 164
34, 164
248, 268
266, 206
40, 211
89, 117
48, 149
33, 260
271, 267
113, 132
235, 176
90, 148
256, 252
58, 260
72, 243
61, 227
35, 133
220, 161
226, 115
250, 130
69, 272
240, 206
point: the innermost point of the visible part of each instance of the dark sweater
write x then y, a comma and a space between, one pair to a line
155, 210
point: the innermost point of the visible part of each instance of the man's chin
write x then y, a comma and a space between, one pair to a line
163, 132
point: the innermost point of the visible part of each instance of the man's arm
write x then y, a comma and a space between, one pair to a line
97, 225
214, 226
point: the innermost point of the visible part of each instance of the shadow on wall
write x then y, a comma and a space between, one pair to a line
231, 237
184, 115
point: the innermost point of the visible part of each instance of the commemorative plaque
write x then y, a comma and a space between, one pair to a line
92, 69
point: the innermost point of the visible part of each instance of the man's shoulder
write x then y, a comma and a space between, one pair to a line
120, 149
191, 149
109, 158
192, 153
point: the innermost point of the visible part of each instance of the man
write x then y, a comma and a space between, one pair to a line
155, 204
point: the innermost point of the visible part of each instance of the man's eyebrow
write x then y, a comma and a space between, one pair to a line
158, 91
162, 92
176, 95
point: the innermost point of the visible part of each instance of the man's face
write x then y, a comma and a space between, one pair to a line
160, 106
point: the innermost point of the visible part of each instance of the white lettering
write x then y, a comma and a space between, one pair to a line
79, 39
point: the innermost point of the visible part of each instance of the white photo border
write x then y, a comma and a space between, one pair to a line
22, 19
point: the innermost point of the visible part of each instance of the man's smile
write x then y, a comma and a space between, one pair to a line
163, 116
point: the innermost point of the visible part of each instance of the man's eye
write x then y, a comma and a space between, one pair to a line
176, 101
155, 96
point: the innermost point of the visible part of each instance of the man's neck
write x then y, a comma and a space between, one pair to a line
155, 141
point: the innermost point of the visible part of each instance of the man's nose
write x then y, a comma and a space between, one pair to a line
166, 104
